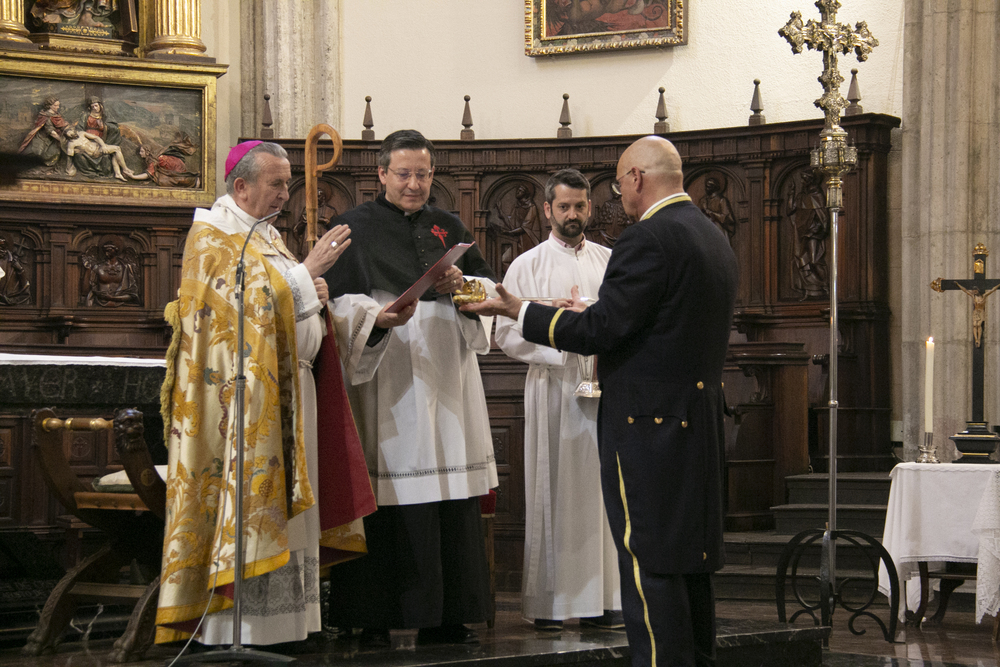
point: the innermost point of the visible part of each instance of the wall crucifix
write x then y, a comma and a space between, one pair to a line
979, 288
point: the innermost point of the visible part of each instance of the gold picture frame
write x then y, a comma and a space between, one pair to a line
159, 120
556, 27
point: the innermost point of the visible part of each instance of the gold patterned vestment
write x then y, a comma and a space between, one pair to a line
199, 419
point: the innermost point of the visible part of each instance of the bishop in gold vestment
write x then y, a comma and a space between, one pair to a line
283, 332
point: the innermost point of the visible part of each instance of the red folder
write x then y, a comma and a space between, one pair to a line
426, 281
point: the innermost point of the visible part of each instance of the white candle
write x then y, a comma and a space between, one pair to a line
929, 387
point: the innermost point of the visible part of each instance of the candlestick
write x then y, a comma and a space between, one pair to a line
927, 450
929, 387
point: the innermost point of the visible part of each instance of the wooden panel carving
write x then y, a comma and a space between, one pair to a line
753, 182
97, 277
767, 438
749, 179
712, 193
17, 260
111, 273
8, 469
514, 219
332, 199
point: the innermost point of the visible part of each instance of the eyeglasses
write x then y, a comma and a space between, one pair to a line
616, 185
405, 174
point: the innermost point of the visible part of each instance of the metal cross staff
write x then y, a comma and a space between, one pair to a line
834, 158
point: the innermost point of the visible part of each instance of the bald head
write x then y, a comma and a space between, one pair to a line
648, 171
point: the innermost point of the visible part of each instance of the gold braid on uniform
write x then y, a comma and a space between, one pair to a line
552, 328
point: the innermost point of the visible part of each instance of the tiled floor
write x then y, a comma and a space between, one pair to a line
959, 641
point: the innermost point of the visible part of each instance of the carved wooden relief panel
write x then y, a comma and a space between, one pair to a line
515, 221
607, 218
717, 194
111, 273
17, 264
82, 279
332, 199
441, 197
91, 278
804, 233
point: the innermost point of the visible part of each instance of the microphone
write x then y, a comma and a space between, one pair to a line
240, 267
237, 651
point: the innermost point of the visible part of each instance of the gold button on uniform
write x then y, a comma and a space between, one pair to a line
704, 556
700, 385
684, 424
658, 420
631, 421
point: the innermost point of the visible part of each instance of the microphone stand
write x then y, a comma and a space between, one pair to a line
237, 652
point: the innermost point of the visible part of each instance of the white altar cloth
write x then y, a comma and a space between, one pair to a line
69, 360
986, 527
930, 518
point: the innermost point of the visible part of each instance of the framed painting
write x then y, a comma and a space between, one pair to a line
554, 27
109, 131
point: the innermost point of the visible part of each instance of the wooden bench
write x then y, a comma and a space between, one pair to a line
132, 523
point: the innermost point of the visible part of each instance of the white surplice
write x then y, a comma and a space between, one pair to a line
420, 408
283, 605
570, 562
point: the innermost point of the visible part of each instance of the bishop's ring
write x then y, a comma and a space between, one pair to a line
333, 244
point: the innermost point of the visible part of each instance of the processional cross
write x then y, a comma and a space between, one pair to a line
833, 158
978, 288
829, 37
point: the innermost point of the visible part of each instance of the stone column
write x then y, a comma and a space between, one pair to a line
177, 31
13, 34
950, 202
290, 51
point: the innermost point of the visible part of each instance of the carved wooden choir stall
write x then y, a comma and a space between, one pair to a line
132, 522
754, 182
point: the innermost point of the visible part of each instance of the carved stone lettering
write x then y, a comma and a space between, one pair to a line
80, 385
50, 385
131, 386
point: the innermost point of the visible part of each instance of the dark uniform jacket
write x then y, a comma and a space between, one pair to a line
661, 329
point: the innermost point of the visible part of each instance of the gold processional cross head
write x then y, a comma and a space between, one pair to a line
829, 37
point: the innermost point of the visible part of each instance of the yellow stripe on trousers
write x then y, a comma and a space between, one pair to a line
635, 563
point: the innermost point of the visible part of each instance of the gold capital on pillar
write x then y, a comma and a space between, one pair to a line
12, 30
177, 28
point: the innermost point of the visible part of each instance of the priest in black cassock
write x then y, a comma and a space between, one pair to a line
418, 400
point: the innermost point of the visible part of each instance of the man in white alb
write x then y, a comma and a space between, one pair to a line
570, 562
